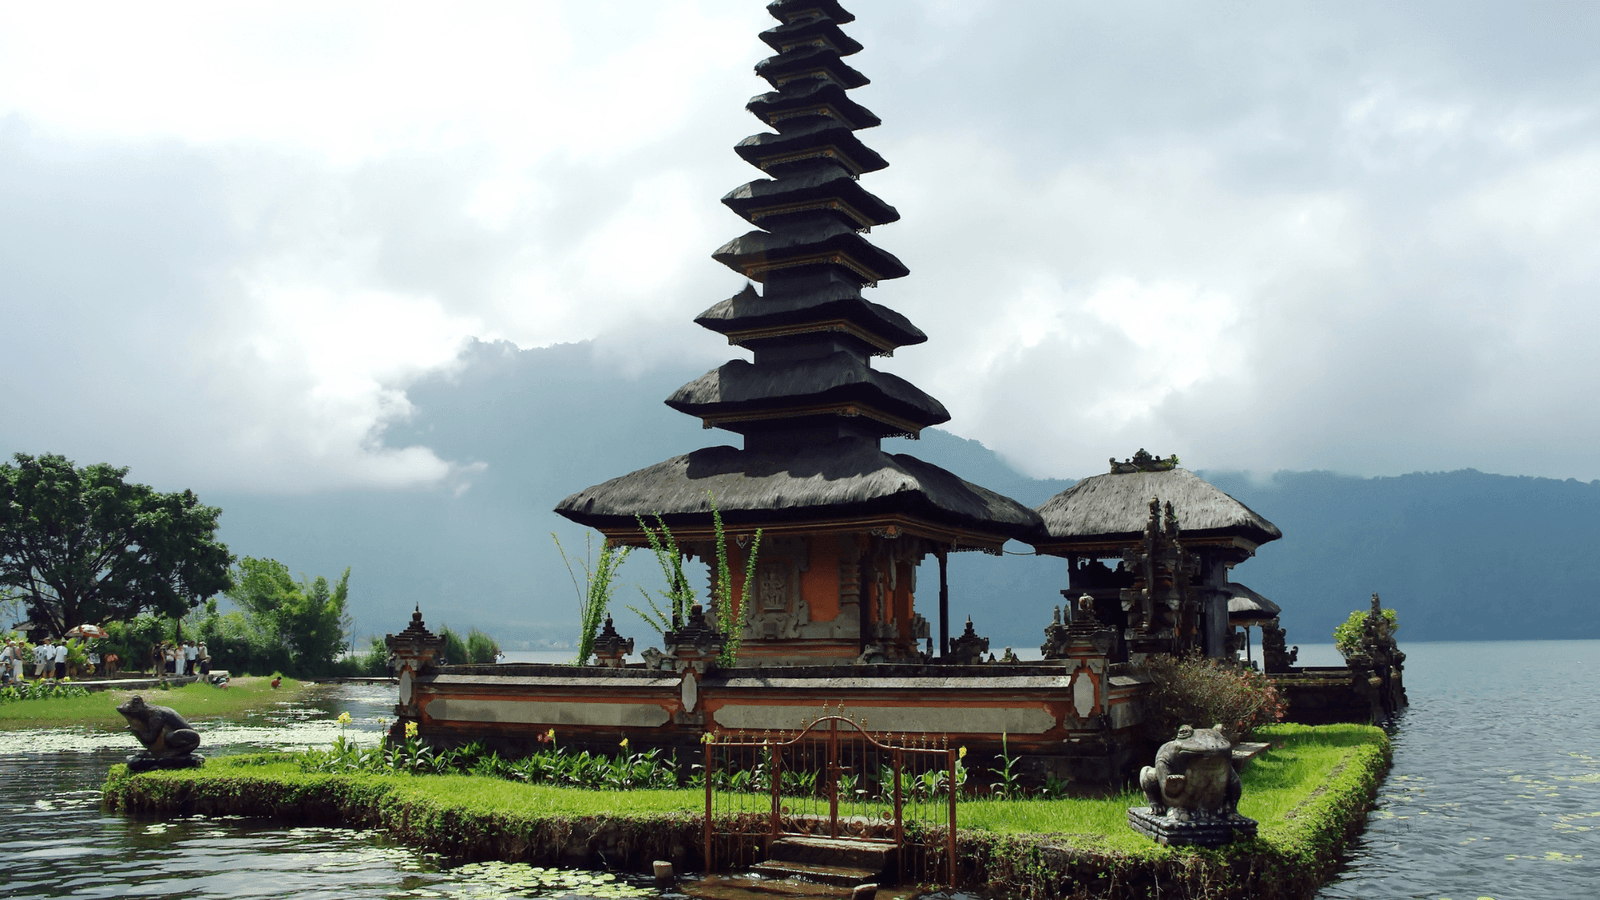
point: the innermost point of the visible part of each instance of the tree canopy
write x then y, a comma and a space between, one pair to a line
85, 545
308, 618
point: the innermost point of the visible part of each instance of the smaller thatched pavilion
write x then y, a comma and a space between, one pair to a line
1173, 536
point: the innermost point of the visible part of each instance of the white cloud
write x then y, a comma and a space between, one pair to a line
1352, 237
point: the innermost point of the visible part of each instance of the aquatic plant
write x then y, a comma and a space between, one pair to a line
594, 596
40, 690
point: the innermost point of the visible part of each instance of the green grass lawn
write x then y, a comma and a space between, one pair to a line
1309, 792
99, 709
1282, 780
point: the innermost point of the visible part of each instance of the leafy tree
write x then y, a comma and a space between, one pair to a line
84, 545
307, 619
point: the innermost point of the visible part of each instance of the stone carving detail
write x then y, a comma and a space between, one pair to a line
610, 648
1193, 792
1163, 614
414, 651
1275, 653
694, 645
1379, 665
169, 741
774, 587
1143, 462
969, 648
776, 611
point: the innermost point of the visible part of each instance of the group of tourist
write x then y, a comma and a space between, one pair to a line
188, 658
55, 659
11, 662
49, 660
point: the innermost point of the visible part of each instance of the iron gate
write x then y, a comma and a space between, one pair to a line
833, 779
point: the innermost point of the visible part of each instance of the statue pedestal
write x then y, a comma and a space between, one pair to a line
1199, 829
144, 762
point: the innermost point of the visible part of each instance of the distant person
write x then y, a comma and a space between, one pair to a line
113, 662
204, 656
190, 655
44, 657
7, 654
158, 659
61, 660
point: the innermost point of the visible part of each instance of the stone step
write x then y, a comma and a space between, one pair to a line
837, 876
835, 852
746, 887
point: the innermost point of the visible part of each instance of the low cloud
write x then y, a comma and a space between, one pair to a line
1280, 236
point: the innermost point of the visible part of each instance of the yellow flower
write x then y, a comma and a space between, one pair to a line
411, 729
708, 738
624, 744
344, 718
962, 753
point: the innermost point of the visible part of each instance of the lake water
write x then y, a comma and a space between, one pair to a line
1495, 793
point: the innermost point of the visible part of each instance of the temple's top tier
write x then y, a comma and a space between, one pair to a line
811, 409
787, 11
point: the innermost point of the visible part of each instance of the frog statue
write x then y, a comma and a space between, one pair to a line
1193, 791
168, 739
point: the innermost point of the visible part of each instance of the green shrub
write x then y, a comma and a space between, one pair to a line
481, 648
1199, 691
455, 647
1347, 637
375, 662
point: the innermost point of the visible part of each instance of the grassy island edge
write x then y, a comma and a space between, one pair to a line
1312, 794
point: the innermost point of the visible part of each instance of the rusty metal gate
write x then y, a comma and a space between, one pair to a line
833, 779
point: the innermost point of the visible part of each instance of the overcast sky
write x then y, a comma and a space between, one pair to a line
1351, 236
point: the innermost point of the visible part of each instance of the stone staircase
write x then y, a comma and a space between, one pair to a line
828, 861
813, 868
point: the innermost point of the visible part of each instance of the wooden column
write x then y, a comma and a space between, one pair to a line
944, 604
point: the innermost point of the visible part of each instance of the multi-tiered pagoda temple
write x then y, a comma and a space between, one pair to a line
831, 618
845, 524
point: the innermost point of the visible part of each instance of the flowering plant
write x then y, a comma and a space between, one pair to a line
1195, 690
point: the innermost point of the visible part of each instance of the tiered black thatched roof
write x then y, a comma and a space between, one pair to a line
810, 405
847, 479
1112, 508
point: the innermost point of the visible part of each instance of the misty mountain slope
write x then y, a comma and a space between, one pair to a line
1462, 555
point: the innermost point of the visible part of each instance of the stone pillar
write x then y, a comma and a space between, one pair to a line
610, 648
414, 651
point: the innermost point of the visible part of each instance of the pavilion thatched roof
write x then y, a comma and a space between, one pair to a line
1115, 507
843, 479
1245, 605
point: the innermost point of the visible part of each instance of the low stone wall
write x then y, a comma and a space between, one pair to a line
1066, 720
1324, 695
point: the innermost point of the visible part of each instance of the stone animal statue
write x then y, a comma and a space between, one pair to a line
164, 733
1193, 774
